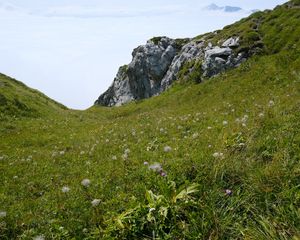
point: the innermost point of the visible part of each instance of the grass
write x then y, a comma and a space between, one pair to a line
250, 189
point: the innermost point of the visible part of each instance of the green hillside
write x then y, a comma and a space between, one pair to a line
216, 160
18, 100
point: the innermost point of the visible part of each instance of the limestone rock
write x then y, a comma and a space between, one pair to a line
156, 65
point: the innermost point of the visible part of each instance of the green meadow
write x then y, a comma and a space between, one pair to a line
215, 160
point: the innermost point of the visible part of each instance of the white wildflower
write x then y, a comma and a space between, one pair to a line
3, 214
245, 118
271, 103
65, 189
40, 237
167, 149
86, 182
156, 167
96, 202
54, 154
195, 135
218, 155
127, 151
261, 115
114, 158
225, 123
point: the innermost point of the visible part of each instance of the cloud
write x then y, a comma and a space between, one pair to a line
228, 9
89, 12
7, 7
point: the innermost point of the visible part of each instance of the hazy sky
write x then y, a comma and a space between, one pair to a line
71, 49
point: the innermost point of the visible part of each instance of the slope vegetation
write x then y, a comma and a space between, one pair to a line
18, 100
216, 160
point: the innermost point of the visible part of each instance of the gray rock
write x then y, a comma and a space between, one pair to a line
156, 65
192, 50
142, 77
231, 42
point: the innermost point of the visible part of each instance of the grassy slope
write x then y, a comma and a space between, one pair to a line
18, 100
261, 162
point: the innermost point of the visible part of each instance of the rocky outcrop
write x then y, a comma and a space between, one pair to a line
157, 64
142, 77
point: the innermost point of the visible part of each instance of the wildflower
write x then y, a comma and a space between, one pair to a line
40, 237
96, 202
86, 182
82, 152
127, 151
228, 192
209, 128
271, 103
3, 214
163, 174
245, 118
195, 135
114, 158
62, 152
261, 115
218, 155
156, 167
167, 149
54, 154
225, 123
146, 163
65, 189
107, 140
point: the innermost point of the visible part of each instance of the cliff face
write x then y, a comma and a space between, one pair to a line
160, 62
